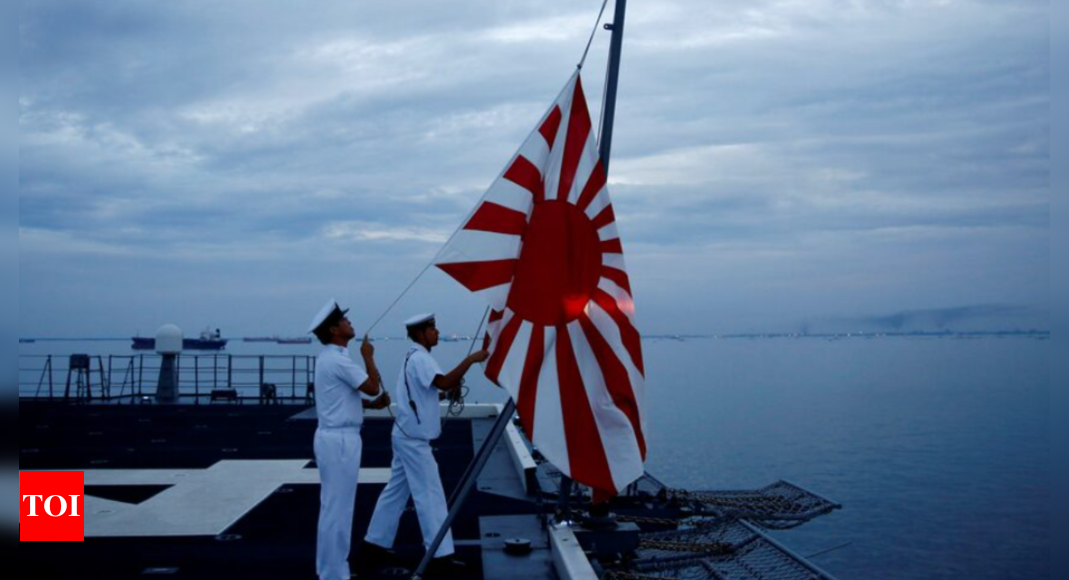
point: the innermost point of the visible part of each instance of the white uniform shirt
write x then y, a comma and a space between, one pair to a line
337, 379
423, 422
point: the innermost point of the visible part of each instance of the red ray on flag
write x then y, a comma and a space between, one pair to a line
542, 247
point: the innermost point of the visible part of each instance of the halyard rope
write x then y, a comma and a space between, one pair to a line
592, 33
456, 405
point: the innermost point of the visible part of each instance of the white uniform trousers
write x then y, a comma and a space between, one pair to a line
337, 454
414, 473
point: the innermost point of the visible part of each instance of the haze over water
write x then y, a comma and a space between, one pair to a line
939, 449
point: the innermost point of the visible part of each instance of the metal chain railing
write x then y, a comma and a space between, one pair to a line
714, 548
648, 521
619, 575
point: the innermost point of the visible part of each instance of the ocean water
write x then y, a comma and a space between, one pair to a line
939, 449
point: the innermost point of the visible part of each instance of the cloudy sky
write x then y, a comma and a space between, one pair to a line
777, 164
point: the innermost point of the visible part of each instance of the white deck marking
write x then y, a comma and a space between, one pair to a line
202, 502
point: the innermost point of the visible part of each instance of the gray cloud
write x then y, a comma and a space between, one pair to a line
808, 154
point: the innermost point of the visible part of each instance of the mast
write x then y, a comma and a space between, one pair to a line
612, 79
608, 109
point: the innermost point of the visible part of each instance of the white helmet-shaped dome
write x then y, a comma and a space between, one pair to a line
169, 339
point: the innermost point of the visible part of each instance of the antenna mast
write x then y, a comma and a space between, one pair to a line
611, 82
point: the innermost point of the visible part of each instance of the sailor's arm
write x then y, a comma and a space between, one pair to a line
373, 385
451, 381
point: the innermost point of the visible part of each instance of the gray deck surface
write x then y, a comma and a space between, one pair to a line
230, 491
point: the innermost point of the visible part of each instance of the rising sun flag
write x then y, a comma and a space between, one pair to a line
542, 247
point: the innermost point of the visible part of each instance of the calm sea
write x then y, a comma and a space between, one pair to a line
939, 449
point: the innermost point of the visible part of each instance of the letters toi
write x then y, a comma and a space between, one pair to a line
52, 506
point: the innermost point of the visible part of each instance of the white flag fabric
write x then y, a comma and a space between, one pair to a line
543, 249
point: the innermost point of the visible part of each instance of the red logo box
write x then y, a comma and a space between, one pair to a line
53, 506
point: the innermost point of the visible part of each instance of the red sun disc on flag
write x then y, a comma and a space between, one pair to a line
559, 266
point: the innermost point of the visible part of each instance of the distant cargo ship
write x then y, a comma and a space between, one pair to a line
208, 340
26, 341
301, 340
261, 338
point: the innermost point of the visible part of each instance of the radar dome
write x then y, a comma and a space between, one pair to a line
169, 339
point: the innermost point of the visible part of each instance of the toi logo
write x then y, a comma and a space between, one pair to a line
52, 506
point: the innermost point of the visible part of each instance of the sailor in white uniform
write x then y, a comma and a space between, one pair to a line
414, 473
339, 383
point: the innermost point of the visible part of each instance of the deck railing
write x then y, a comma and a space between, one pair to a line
210, 377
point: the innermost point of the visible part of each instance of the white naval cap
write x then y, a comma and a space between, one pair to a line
419, 319
330, 311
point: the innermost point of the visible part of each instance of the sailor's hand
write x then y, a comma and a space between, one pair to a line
480, 356
366, 349
379, 403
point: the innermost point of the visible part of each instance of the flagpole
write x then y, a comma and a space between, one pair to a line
599, 513
608, 116
612, 80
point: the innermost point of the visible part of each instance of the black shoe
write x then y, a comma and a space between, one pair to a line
375, 555
447, 566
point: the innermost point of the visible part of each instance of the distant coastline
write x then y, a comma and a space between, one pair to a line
1038, 334
1042, 334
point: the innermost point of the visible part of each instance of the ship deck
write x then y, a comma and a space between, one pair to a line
231, 491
